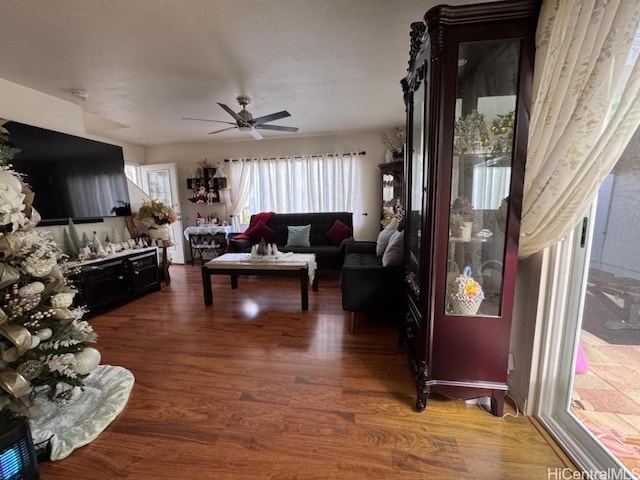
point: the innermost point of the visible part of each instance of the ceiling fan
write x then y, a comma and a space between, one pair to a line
244, 120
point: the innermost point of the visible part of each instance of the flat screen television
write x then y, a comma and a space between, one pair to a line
72, 177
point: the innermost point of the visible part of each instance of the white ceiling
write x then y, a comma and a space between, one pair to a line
334, 65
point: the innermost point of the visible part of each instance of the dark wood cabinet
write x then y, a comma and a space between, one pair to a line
468, 96
143, 273
103, 285
392, 193
111, 282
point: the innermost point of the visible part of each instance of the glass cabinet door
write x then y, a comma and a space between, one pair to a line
392, 180
415, 212
481, 176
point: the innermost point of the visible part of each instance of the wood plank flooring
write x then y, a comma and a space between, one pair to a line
254, 388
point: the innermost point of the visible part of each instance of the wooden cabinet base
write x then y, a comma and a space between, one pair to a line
460, 390
115, 281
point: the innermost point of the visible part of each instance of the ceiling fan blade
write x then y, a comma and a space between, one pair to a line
277, 127
271, 118
255, 134
207, 120
231, 112
223, 130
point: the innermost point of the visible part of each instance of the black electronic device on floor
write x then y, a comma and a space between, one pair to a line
17, 455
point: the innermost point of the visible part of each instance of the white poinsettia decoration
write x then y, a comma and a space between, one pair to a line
12, 202
62, 300
35, 251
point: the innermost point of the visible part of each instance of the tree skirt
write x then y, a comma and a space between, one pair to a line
67, 427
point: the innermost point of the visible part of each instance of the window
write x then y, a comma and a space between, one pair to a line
314, 183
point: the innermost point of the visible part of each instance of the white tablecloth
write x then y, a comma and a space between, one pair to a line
207, 229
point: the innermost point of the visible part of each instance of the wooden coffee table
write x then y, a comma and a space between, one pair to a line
299, 265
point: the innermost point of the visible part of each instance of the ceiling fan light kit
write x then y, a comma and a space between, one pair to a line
245, 122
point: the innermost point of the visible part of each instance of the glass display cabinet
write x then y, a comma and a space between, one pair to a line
467, 94
392, 178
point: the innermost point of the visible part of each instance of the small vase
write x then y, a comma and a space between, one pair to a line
466, 229
159, 232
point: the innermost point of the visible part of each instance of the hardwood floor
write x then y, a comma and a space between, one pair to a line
254, 388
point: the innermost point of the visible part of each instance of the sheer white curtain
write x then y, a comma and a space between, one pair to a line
95, 195
586, 107
490, 186
240, 173
313, 183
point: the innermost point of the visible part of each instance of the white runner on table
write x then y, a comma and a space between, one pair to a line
248, 261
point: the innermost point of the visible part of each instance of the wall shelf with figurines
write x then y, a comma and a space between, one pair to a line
206, 182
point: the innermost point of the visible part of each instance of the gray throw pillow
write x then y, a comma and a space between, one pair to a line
299, 236
385, 235
394, 253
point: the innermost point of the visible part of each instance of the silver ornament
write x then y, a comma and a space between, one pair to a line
30, 369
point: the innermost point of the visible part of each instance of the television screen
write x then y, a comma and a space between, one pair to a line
72, 177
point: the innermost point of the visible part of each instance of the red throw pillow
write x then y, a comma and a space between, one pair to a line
338, 232
258, 232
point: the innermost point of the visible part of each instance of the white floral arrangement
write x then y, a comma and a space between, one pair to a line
13, 214
37, 250
395, 142
153, 212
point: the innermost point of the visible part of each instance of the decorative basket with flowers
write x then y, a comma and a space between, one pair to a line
465, 294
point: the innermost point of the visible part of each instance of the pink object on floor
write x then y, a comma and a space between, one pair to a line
581, 361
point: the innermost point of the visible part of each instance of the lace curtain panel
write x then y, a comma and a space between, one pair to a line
586, 107
319, 183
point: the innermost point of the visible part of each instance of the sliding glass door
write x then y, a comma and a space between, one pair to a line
590, 392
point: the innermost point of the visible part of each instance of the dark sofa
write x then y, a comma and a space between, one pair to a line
328, 255
367, 285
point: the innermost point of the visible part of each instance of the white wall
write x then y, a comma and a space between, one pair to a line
29, 106
523, 326
188, 155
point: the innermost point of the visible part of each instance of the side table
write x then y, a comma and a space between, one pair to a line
206, 241
164, 264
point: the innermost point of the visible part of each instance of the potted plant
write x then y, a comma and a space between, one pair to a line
461, 221
156, 217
